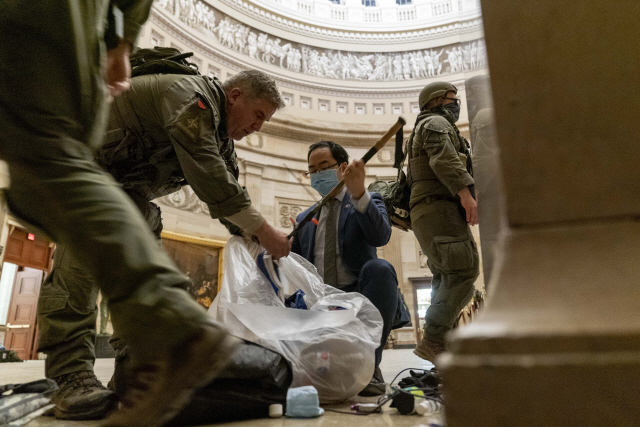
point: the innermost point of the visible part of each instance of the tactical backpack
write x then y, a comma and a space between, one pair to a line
396, 193
128, 143
162, 60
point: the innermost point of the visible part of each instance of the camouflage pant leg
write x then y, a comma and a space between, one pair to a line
67, 308
446, 239
83, 209
51, 115
67, 317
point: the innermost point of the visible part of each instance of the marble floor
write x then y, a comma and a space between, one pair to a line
393, 361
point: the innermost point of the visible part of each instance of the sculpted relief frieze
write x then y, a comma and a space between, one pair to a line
185, 200
320, 62
385, 155
255, 140
288, 211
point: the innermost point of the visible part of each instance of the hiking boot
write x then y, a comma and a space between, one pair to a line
429, 350
159, 389
80, 396
376, 386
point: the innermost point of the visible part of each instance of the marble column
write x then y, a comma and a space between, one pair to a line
558, 343
253, 182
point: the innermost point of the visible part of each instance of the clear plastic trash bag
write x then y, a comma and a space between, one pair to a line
331, 345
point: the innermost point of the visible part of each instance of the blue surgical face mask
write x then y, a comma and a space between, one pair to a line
303, 402
324, 181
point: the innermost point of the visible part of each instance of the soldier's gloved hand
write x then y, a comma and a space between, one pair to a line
274, 241
118, 69
470, 206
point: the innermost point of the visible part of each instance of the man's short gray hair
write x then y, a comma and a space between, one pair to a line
257, 85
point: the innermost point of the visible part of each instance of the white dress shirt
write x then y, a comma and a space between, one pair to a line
345, 277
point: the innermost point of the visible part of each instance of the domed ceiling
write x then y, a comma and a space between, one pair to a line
340, 44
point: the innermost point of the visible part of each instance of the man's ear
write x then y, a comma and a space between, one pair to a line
341, 169
234, 94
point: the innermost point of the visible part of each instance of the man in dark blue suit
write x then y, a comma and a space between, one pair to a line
342, 242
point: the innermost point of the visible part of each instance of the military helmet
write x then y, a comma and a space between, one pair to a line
434, 90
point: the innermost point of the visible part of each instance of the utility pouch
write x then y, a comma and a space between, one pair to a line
456, 252
420, 169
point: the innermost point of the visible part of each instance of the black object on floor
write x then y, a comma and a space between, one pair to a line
422, 379
254, 379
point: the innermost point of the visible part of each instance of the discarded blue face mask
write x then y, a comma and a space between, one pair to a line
303, 402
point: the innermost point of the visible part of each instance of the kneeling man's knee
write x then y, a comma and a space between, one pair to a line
379, 269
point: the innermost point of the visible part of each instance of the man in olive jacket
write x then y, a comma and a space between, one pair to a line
442, 208
167, 131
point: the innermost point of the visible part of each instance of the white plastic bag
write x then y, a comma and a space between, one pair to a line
331, 345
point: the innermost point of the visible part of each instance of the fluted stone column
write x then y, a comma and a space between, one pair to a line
253, 182
558, 343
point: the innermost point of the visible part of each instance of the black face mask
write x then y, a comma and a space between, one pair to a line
454, 109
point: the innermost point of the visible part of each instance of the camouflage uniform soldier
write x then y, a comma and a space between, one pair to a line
52, 116
441, 206
167, 131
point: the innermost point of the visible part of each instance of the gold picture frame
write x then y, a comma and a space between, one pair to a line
213, 243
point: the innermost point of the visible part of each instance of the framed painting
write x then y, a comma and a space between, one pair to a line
200, 259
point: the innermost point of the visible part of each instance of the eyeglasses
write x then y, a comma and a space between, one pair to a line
309, 173
457, 101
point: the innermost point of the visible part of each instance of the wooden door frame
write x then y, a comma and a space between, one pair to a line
33, 348
423, 282
26, 264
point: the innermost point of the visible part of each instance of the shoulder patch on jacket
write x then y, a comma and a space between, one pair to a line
190, 126
437, 124
189, 120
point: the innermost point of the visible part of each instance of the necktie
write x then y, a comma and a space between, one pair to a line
330, 270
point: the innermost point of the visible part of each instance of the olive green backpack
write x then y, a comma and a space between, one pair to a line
161, 60
396, 193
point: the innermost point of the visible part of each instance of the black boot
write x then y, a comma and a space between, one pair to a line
376, 386
81, 396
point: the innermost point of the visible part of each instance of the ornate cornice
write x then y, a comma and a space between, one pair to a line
360, 136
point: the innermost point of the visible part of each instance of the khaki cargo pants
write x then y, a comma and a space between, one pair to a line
446, 240
52, 116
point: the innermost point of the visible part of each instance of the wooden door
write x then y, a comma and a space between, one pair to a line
21, 322
28, 250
